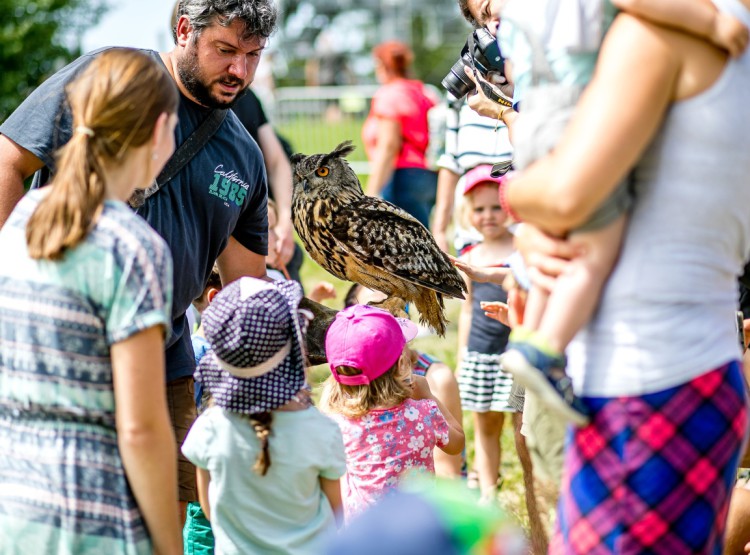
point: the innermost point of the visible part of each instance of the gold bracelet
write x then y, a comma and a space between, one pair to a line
503, 109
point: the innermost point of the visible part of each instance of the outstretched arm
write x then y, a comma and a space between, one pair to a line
481, 274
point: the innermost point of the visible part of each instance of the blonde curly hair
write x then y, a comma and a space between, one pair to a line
354, 401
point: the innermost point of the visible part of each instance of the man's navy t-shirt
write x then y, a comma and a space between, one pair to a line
221, 192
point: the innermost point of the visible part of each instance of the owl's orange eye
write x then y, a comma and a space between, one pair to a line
322, 171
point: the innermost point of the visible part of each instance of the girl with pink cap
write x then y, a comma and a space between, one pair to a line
390, 420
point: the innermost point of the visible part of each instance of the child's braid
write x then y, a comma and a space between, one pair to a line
262, 426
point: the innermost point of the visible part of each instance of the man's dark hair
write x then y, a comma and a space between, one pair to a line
259, 16
463, 5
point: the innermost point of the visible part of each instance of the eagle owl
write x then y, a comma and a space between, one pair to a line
368, 240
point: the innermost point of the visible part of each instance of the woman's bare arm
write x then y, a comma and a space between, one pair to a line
386, 150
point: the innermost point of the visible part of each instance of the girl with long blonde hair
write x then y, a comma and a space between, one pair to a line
88, 458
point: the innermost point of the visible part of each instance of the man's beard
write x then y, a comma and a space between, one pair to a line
192, 79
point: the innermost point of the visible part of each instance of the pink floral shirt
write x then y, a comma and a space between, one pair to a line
385, 444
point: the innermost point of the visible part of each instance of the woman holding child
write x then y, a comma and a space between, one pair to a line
658, 365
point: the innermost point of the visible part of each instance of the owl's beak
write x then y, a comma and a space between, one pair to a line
305, 186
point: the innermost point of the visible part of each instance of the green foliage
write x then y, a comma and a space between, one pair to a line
37, 37
432, 62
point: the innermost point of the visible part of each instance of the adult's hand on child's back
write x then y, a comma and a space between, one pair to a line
729, 33
546, 256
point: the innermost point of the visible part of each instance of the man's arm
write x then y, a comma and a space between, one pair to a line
280, 181
236, 261
16, 164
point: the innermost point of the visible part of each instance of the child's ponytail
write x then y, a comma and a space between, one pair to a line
262, 426
63, 218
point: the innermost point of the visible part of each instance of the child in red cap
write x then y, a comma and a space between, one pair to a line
390, 420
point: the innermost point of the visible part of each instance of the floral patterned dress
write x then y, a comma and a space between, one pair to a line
384, 445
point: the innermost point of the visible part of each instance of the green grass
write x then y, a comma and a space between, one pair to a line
309, 136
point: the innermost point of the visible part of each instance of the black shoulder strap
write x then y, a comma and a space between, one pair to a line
184, 153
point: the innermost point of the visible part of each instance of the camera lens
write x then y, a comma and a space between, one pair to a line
457, 82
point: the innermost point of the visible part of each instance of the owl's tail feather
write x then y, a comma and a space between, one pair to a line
431, 310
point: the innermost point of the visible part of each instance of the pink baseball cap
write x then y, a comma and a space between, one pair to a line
478, 175
367, 338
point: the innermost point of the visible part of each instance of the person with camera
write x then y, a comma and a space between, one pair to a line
552, 65
470, 138
396, 134
213, 205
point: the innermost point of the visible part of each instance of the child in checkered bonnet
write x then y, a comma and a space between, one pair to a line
390, 420
268, 462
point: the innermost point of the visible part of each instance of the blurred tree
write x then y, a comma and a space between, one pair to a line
37, 37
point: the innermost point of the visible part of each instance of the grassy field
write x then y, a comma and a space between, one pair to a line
309, 135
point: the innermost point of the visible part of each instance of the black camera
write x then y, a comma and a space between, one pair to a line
482, 54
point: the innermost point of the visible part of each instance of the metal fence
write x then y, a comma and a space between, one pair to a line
316, 119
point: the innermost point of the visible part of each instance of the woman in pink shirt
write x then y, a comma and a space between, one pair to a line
396, 135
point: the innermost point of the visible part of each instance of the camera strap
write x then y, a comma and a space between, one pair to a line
184, 153
489, 90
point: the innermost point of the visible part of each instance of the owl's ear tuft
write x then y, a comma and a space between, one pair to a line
295, 158
343, 149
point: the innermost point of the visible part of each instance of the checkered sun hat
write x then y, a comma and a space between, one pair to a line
256, 333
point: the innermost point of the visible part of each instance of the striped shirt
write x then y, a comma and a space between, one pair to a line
470, 140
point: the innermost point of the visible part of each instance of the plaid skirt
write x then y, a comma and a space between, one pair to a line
654, 474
